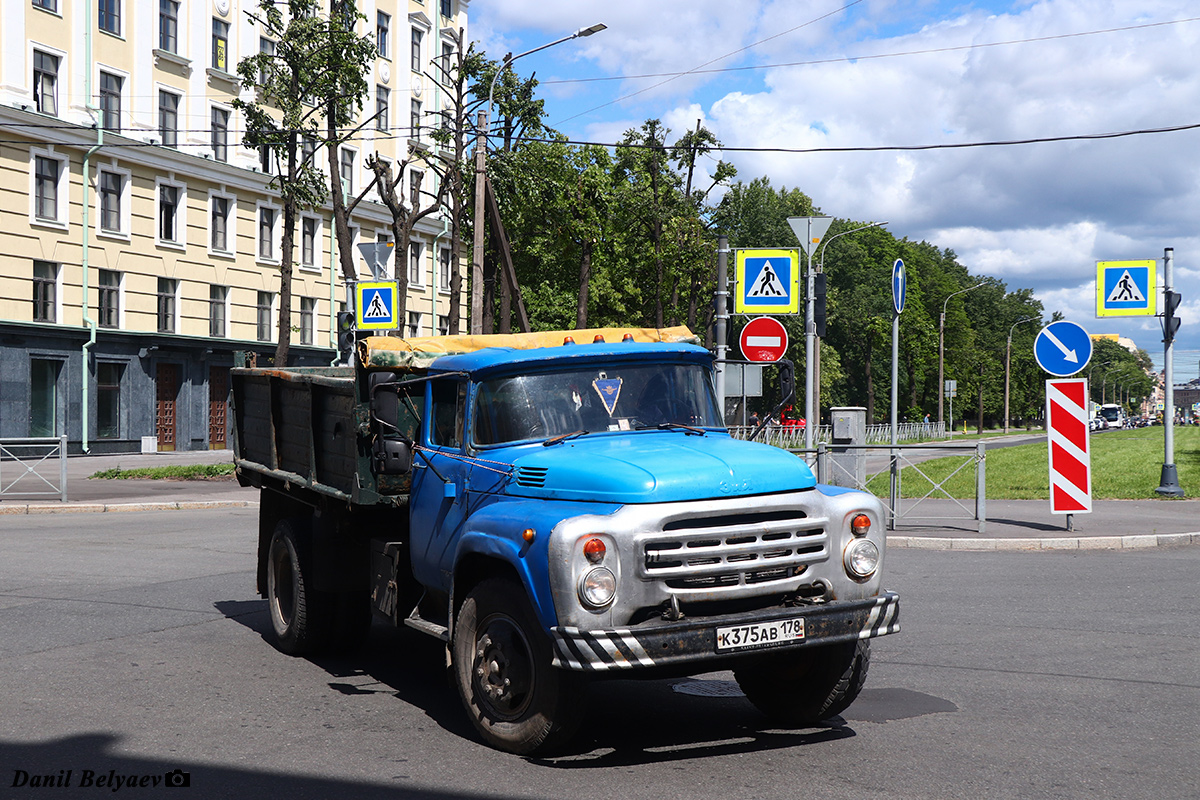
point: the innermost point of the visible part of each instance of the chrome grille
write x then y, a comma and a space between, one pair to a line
714, 553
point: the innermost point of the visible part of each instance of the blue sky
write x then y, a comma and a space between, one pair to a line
884, 73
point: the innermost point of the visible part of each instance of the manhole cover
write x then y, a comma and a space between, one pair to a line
709, 688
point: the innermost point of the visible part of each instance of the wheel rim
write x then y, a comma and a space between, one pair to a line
502, 668
283, 580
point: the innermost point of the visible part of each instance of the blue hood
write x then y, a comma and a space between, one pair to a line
655, 467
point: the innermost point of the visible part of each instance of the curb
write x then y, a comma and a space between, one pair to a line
94, 508
1058, 544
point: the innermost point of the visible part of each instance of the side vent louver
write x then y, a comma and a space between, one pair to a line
532, 477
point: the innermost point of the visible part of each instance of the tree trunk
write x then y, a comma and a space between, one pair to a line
285, 284
585, 276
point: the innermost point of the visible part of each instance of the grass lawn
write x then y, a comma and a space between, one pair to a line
1126, 465
191, 472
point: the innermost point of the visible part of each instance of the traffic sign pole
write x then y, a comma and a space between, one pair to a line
1168, 483
810, 231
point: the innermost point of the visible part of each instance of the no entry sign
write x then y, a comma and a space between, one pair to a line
1070, 451
764, 339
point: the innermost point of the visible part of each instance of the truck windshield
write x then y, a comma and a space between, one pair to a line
612, 398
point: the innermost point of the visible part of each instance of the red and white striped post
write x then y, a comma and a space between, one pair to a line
1070, 450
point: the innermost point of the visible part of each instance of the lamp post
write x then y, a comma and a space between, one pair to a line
481, 175
942, 348
813, 367
1008, 366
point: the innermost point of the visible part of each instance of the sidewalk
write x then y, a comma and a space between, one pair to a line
930, 525
85, 495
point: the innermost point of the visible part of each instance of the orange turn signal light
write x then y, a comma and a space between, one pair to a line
594, 550
860, 525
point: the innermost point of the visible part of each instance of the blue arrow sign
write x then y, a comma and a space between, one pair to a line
899, 286
1062, 348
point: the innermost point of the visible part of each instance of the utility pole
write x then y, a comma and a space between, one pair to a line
720, 332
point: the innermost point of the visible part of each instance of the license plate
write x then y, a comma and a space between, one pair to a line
760, 634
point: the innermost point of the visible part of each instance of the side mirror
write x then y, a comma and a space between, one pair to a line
392, 456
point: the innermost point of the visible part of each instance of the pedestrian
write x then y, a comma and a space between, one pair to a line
754, 419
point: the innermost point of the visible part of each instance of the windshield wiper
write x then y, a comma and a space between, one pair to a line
563, 437
691, 430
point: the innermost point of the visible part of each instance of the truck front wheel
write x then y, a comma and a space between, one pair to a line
517, 700
808, 685
298, 617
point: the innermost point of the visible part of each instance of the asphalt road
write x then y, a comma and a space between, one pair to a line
133, 645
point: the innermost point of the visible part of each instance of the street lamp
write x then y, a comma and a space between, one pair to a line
1008, 366
812, 366
481, 174
942, 348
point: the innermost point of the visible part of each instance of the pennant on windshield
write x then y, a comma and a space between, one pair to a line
609, 390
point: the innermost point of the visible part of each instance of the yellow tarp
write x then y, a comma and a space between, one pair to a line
392, 352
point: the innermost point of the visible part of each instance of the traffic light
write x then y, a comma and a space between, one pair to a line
1170, 321
819, 303
345, 336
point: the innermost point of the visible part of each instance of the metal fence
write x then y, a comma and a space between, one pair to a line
36, 462
831, 464
791, 438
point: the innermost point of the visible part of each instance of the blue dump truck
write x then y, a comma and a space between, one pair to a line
556, 513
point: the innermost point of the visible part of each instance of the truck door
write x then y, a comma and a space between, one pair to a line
440, 474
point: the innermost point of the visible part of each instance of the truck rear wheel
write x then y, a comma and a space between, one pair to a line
808, 685
300, 619
517, 700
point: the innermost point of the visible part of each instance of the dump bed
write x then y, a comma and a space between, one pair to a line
301, 427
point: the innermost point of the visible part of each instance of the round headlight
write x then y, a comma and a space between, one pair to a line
598, 587
861, 558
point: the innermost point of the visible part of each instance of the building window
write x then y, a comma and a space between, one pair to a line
265, 301
381, 108
414, 264
110, 16
112, 185
46, 174
219, 224
416, 50
220, 134
413, 328
447, 8
346, 168
110, 101
169, 201
414, 121
220, 45
443, 324
447, 60
414, 188
218, 299
43, 396
308, 242
45, 291
108, 304
444, 269
108, 400
167, 289
49, 5
265, 159
308, 315
168, 25
266, 233
168, 118
383, 26
267, 48
45, 82
308, 149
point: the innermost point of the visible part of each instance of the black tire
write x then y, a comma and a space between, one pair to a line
808, 685
300, 617
516, 699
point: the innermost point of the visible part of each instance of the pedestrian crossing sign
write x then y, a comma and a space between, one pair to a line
768, 282
1125, 288
375, 306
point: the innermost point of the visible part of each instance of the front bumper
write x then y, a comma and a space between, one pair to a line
662, 644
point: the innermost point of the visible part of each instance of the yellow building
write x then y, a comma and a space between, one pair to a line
140, 241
